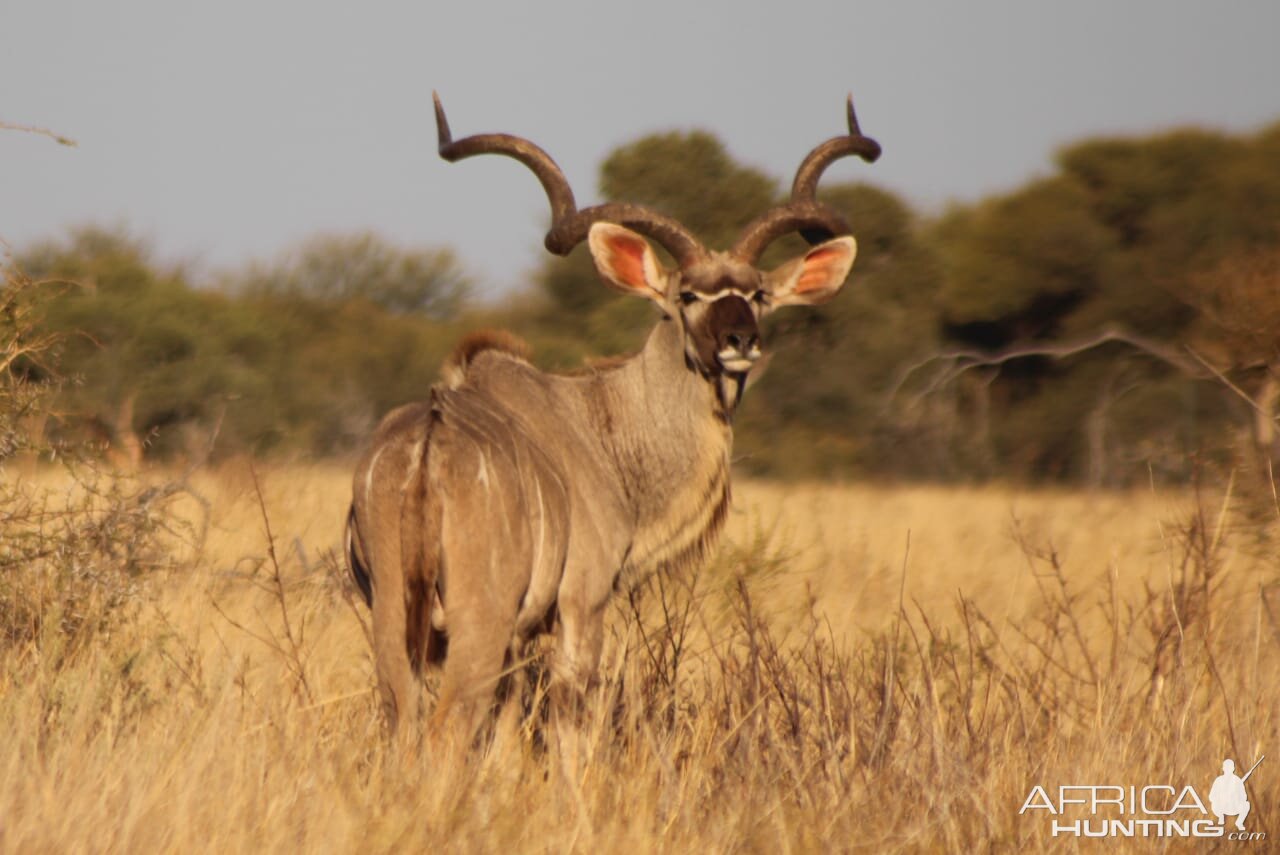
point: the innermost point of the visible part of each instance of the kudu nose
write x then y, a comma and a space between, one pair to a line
739, 349
740, 339
743, 342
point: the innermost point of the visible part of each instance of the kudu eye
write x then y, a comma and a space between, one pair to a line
760, 297
688, 297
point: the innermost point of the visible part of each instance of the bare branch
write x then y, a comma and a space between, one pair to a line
43, 132
955, 363
1225, 381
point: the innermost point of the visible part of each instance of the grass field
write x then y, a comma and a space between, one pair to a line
202, 686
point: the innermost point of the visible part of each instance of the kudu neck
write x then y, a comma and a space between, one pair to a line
672, 456
669, 412
669, 379
656, 418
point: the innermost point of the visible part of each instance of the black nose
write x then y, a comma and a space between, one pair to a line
734, 325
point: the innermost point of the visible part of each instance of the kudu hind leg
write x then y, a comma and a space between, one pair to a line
484, 551
396, 684
472, 671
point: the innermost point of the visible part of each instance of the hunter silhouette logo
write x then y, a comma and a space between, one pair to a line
1153, 810
1228, 797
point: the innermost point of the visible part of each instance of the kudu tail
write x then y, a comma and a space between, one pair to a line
355, 558
420, 554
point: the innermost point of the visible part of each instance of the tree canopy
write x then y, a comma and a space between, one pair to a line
365, 267
155, 360
1103, 322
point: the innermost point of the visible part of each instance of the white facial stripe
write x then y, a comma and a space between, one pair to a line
704, 297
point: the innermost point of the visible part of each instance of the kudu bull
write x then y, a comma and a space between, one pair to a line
514, 502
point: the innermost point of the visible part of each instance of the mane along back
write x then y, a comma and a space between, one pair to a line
454, 371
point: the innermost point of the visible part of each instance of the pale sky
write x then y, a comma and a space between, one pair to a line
227, 131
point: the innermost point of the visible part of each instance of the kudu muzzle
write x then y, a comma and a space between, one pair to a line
736, 334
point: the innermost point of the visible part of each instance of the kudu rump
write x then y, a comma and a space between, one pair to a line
514, 502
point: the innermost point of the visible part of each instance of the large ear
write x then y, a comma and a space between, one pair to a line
814, 277
626, 261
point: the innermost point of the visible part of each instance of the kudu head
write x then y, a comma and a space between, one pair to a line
718, 298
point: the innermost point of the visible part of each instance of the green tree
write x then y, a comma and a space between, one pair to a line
364, 266
158, 363
141, 346
1018, 266
1115, 241
1238, 329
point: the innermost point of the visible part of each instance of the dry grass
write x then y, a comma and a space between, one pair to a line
780, 701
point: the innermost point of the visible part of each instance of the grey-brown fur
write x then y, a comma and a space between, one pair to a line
514, 501
495, 494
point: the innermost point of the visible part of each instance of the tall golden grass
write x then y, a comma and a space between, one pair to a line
861, 668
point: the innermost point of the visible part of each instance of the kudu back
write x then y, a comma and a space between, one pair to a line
514, 502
